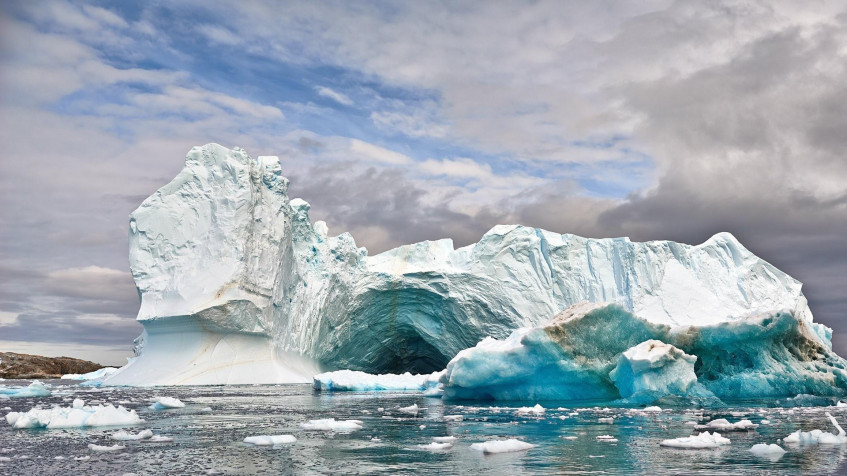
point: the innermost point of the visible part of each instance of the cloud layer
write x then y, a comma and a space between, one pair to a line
403, 122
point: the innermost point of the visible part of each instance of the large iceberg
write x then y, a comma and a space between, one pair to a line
237, 285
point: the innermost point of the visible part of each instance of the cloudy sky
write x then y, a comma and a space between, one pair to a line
406, 121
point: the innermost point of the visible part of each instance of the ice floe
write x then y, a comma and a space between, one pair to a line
166, 403
270, 440
331, 424
702, 441
62, 417
502, 446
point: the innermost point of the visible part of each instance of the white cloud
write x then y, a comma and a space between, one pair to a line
334, 95
416, 124
220, 35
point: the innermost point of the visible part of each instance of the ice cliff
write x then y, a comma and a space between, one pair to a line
237, 285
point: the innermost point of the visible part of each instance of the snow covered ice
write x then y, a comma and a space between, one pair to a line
238, 285
166, 403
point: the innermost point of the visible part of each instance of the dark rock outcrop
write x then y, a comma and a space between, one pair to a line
25, 366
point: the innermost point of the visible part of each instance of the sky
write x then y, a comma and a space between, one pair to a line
407, 121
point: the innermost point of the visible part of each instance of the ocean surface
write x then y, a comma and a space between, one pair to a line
211, 442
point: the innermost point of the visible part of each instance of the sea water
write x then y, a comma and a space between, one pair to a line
565, 436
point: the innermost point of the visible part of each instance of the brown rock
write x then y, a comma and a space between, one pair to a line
25, 366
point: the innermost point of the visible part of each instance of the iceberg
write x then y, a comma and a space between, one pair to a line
35, 389
238, 285
601, 351
502, 446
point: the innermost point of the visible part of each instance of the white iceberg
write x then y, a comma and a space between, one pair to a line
237, 285
535, 410
704, 440
819, 436
97, 374
502, 446
331, 424
60, 417
270, 440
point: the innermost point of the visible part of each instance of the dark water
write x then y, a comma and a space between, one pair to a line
210, 442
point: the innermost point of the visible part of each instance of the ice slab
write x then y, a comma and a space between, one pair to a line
704, 440
502, 446
355, 381
35, 389
270, 440
59, 417
331, 424
819, 436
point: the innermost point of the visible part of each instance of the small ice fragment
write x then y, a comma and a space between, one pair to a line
444, 439
724, 425
115, 447
606, 420
453, 417
502, 446
5, 458
270, 440
123, 435
206, 409
160, 439
569, 437
422, 427
330, 424
701, 441
165, 403
376, 440
435, 446
78, 403
82, 458
652, 409
765, 422
608, 438
410, 410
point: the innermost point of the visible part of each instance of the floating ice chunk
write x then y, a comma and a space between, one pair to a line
60, 417
78, 403
270, 440
762, 450
330, 424
123, 435
570, 437
165, 403
454, 417
82, 458
607, 438
652, 409
355, 381
444, 439
435, 446
819, 436
606, 420
5, 459
502, 446
653, 369
206, 409
840, 404
536, 410
160, 439
35, 389
723, 424
410, 410
97, 374
765, 422
115, 447
702, 441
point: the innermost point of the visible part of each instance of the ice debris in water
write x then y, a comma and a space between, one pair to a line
270, 440
35, 389
502, 446
702, 441
454, 417
410, 410
355, 381
61, 417
331, 424
764, 450
444, 439
436, 446
607, 438
653, 369
819, 436
123, 435
115, 447
723, 424
536, 410
160, 439
165, 403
